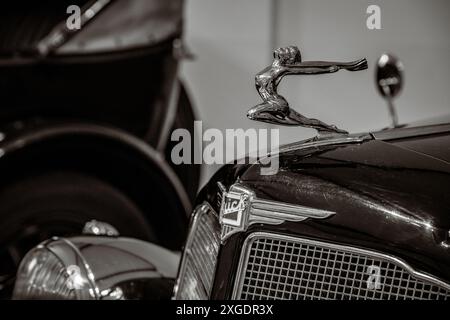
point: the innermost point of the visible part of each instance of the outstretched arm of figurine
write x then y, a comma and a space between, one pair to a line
289, 58
318, 67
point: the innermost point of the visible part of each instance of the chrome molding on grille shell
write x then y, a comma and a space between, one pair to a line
204, 268
245, 254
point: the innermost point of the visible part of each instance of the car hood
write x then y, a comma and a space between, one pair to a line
409, 176
435, 146
389, 195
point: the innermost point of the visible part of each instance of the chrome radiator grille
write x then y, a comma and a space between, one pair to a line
281, 267
200, 255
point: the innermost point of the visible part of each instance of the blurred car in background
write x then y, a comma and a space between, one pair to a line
85, 122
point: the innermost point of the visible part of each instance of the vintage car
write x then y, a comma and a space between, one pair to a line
85, 121
346, 216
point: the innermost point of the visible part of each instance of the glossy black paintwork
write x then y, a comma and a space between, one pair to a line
126, 84
437, 146
388, 196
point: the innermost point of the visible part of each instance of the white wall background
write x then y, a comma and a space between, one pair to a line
234, 39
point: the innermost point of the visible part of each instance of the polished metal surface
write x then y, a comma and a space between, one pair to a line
61, 34
411, 132
274, 266
99, 228
130, 25
275, 109
241, 208
326, 140
222, 190
389, 80
198, 264
95, 268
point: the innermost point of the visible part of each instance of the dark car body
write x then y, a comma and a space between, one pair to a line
87, 112
94, 75
388, 191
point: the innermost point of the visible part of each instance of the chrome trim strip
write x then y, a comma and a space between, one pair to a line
274, 212
222, 188
78, 255
407, 132
251, 210
189, 239
326, 140
60, 34
220, 193
243, 260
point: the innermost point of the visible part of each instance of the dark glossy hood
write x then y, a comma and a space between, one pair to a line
391, 196
411, 177
410, 174
436, 146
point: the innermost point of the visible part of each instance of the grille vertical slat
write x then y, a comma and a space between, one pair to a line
281, 267
198, 265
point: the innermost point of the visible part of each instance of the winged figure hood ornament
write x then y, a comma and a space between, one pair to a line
275, 108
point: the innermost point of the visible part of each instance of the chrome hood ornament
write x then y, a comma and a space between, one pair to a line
240, 208
275, 109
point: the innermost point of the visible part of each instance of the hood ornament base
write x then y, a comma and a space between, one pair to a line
275, 108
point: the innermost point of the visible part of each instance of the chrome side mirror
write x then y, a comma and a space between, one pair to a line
389, 79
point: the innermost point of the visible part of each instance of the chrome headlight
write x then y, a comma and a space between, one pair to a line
85, 268
198, 265
54, 270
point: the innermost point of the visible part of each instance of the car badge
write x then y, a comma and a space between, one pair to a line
275, 108
240, 208
234, 207
233, 210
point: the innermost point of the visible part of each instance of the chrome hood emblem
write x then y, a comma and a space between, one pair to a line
234, 207
240, 208
275, 108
